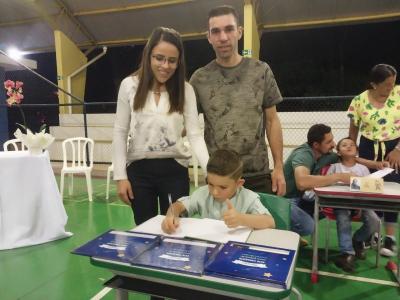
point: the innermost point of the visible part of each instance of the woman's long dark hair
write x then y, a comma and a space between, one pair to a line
175, 85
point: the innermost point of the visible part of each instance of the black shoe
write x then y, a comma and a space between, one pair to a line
389, 247
345, 262
359, 249
372, 241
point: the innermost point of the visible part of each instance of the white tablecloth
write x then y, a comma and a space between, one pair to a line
31, 208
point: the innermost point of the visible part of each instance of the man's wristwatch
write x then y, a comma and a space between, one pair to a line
397, 147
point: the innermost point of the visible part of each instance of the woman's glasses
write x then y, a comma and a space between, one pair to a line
161, 59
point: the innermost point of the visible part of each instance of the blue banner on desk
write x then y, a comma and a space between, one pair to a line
180, 255
243, 261
116, 245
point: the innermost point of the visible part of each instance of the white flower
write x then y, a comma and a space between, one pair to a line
41, 140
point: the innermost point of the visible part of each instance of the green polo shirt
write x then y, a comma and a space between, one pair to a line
304, 156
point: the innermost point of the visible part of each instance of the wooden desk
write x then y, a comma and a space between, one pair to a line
182, 286
340, 196
31, 209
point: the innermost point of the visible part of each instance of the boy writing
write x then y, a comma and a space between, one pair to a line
351, 248
224, 197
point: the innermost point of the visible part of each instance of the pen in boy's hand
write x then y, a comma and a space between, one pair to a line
171, 207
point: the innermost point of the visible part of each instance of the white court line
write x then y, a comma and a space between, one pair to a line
101, 294
350, 277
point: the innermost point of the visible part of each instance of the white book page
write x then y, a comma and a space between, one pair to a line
381, 173
204, 229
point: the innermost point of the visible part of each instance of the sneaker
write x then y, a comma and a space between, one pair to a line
345, 262
372, 242
389, 247
359, 249
303, 242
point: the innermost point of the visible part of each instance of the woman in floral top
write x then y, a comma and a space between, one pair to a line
375, 113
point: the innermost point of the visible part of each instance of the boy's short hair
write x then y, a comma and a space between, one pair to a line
224, 162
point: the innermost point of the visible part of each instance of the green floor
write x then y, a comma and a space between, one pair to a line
49, 271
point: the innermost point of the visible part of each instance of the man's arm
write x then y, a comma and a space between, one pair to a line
305, 181
274, 134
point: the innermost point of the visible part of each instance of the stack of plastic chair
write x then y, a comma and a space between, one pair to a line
77, 158
16, 145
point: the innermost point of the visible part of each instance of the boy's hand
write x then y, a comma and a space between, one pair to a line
231, 217
170, 224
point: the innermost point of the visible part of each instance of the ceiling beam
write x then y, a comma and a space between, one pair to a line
79, 25
132, 7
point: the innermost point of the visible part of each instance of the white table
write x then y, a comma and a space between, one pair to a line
31, 208
340, 196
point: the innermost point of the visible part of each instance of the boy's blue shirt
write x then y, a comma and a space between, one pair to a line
203, 203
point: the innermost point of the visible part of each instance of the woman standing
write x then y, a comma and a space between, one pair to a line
375, 113
155, 105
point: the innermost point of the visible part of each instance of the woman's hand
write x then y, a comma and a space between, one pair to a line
125, 192
394, 159
382, 164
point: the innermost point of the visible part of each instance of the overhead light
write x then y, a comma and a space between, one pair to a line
15, 53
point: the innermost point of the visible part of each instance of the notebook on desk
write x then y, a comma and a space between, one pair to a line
177, 254
241, 261
116, 245
203, 229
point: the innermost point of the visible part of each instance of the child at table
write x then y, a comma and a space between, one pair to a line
351, 248
224, 197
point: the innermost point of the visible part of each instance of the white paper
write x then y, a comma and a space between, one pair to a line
381, 173
204, 229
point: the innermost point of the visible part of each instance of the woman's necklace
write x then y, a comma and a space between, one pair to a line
158, 93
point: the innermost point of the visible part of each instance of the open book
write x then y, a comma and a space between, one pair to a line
203, 229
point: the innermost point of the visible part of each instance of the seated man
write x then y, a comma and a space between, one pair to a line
302, 172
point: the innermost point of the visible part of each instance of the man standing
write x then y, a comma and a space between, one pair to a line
238, 96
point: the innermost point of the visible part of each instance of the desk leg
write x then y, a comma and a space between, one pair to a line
398, 256
121, 294
314, 269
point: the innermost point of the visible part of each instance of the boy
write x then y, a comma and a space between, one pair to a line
224, 198
351, 248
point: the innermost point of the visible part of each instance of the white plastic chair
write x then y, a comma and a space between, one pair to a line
16, 144
109, 171
74, 162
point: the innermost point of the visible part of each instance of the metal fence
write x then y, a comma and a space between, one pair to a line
297, 114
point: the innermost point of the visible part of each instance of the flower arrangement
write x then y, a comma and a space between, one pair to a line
35, 142
14, 91
15, 96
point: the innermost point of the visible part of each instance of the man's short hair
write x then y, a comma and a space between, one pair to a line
224, 162
316, 133
222, 11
